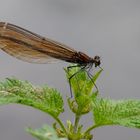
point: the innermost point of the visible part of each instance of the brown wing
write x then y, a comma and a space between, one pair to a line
31, 47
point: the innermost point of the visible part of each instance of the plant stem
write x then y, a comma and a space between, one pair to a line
77, 118
91, 128
61, 124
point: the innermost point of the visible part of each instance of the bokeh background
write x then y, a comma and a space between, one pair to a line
108, 28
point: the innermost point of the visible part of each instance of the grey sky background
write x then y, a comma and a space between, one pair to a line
108, 28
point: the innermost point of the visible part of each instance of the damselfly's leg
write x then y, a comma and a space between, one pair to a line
82, 68
90, 76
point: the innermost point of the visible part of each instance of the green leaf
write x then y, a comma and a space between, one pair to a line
43, 98
123, 112
45, 133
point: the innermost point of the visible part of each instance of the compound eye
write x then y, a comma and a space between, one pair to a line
97, 61
97, 57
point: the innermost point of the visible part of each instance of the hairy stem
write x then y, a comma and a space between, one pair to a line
61, 124
77, 118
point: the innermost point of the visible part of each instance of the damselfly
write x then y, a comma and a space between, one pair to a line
31, 47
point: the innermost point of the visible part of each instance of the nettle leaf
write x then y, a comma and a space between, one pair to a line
45, 133
123, 112
43, 98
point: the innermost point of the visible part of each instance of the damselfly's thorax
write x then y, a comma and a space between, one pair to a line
83, 59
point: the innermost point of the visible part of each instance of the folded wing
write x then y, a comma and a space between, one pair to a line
31, 47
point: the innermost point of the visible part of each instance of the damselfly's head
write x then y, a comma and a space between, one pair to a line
97, 61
